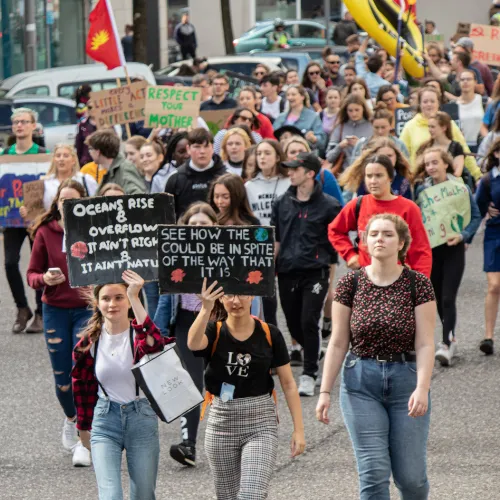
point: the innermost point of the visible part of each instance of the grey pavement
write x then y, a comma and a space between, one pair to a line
463, 444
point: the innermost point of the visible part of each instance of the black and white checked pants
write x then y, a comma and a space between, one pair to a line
241, 444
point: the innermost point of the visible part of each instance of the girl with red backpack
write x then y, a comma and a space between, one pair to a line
241, 439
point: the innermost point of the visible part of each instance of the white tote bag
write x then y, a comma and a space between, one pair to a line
167, 384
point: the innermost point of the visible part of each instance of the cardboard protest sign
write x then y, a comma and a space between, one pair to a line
106, 235
237, 81
33, 198
216, 119
463, 29
402, 117
172, 107
119, 105
486, 43
240, 258
15, 170
445, 210
437, 39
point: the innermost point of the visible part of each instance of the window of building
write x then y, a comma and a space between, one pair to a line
266, 10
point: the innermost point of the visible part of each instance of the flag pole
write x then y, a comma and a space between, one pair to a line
398, 46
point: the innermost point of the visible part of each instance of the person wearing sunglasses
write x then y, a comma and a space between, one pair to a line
241, 116
260, 71
313, 79
332, 63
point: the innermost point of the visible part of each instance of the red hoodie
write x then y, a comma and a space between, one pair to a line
419, 255
47, 252
265, 130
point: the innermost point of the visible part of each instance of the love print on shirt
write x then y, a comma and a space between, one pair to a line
238, 364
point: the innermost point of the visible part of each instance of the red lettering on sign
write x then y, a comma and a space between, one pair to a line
17, 188
2, 192
495, 33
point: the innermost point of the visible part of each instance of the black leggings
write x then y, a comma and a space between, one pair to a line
195, 368
448, 265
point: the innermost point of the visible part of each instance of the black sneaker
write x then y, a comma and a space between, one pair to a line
326, 331
184, 453
296, 358
486, 346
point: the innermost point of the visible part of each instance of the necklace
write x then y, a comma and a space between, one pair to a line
113, 342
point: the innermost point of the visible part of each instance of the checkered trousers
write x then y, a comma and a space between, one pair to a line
241, 443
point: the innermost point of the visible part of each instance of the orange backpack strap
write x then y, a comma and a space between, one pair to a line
209, 397
267, 331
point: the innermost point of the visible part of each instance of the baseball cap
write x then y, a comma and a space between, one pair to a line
466, 43
306, 160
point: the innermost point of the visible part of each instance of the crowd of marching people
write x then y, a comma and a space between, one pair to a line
321, 160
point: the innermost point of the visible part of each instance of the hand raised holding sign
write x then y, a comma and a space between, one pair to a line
134, 282
209, 295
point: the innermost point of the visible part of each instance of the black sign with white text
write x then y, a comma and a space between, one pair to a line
240, 258
105, 236
402, 117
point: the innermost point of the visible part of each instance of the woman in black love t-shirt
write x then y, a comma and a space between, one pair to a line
241, 440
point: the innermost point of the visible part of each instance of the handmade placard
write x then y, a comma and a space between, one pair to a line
240, 258
106, 235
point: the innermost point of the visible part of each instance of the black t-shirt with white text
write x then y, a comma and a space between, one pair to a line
244, 364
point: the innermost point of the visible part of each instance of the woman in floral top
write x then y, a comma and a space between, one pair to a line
387, 314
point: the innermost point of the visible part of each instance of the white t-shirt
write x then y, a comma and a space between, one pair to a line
114, 367
51, 185
471, 118
271, 109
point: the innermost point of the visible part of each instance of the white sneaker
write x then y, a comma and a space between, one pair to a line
306, 385
81, 456
445, 354
69, 435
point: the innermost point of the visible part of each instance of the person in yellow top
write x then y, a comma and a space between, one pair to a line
93, 169
416, 131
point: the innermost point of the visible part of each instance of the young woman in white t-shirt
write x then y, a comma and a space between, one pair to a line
470, 109
107, 399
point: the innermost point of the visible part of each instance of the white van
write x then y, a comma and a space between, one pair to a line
63, 82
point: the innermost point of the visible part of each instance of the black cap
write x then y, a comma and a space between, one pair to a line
306, 160
288, 128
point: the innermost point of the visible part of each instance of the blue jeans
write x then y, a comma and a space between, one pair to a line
61, 327
163, 314
132, 427
152, 296
374, 401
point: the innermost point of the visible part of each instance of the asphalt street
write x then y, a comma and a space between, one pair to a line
463, 444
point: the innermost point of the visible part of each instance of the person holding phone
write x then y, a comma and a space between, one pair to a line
113, 414
65, 311
241, 440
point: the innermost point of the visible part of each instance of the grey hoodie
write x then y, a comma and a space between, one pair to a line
361, 128
159, 180
261, 194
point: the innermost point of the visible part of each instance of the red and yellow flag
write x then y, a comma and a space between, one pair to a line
103, 42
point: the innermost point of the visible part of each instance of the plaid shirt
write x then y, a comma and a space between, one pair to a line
84, 380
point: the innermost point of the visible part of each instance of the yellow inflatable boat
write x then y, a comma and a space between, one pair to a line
379, 18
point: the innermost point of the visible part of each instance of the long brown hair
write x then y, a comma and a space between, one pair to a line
353, 177
53, 212
361, 82
280, 157
443, 120
239, 211
94, 325
402, 230
490, 160
343, 117
444, 155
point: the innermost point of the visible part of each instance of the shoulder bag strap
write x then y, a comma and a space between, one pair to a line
217, 335
355, 284
267, 331
131, 335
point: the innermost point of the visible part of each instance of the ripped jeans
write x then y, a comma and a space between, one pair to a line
61, 327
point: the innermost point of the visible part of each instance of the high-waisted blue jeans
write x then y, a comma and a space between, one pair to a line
374, 401
132, 427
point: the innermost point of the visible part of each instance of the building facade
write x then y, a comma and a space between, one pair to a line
61, 29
